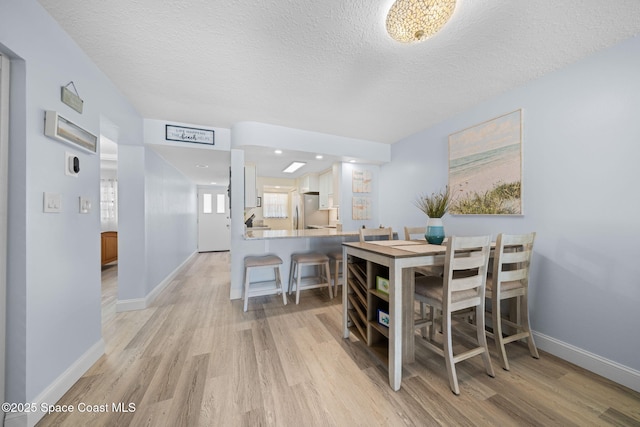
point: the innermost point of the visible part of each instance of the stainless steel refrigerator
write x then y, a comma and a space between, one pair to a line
306, 213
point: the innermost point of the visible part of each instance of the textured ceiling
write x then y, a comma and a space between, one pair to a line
329, 66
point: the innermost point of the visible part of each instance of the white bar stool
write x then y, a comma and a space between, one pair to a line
256, 262
317, 260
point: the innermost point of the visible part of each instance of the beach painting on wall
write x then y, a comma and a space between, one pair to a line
361, 181
361, 208
485, 167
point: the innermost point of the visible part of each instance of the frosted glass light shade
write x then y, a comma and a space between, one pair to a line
411, 21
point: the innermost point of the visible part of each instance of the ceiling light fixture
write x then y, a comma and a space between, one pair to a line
294, 166
278, 151
202, 166
411, 21
319, 157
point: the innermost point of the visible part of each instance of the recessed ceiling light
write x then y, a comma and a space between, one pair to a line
213, 183
202, 166
319, 156
278, 151
277, 186
294, 166
352, 161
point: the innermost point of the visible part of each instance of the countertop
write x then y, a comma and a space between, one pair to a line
292, 234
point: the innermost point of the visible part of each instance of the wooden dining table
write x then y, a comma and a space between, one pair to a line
396, 258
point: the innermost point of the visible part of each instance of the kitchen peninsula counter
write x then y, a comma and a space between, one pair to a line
285, 243
293, 234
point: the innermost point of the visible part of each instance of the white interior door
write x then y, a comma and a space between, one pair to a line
214, 229
4, 178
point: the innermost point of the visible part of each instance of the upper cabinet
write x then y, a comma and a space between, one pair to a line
336, 171
326, 189
309, 183
250, 189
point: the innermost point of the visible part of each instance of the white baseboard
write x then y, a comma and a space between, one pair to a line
609, 369
235, 294
131, 304
142, 303
57, 388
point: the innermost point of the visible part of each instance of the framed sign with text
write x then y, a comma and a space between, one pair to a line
186, 134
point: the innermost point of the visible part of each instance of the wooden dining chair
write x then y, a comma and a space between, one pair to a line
508, 280
418, 233
415, 233
376, 232
461, 288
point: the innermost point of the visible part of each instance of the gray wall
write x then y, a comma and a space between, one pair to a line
581, 176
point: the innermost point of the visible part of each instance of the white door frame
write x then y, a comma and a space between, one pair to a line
214, 223
4, 185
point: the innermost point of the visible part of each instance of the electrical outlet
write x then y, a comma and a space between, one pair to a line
52, 202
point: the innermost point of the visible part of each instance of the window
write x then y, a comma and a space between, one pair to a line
109, 204
221, 203
207, 204
275, 205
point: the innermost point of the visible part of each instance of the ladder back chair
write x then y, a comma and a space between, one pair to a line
510, 279
461, 288
414, 233
418, 233
376, 232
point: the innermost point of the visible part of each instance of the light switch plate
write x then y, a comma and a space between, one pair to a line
52, 202
85, 205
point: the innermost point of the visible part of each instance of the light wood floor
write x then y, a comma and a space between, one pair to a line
196, 359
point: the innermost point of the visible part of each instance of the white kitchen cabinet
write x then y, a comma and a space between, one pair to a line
250, 190
325, 185
336, 172
309, 183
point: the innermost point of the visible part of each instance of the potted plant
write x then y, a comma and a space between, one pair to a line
435, 206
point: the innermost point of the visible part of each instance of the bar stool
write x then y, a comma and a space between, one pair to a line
262, 261
319, 262
335, 258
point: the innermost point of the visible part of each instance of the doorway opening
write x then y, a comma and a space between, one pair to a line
108, 227
214, 228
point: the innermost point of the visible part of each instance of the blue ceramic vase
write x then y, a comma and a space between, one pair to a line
435, 231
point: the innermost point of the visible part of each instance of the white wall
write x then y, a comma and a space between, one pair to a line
132, 261
580, 194
171, 219
54, 259
347, 194
266, 135
53, 295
